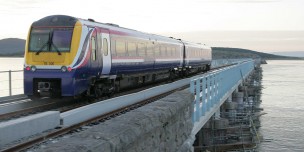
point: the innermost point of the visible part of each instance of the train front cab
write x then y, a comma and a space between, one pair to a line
51, 47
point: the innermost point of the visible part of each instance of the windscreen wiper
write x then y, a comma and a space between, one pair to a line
51, 43
47, 43
40, 50
56, 48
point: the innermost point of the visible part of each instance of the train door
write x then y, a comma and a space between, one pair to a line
107, 60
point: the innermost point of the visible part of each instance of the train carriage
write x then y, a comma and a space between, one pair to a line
67, 56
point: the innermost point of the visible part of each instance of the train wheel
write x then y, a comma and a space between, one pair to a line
208, 67
97, 92
117, 88
172, 76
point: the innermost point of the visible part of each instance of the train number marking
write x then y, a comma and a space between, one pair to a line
48, 63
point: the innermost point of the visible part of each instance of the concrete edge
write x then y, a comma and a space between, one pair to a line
17, 129
81, 114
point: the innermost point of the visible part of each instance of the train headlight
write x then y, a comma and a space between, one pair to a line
33, 68
64, 69
28, 68
69, 69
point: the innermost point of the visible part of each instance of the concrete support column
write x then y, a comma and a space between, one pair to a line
217, 114
238, 97
229, 99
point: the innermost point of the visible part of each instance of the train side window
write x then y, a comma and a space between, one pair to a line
173, 52
132, 49
120, 48
150, 50
105, 47
99, 44
177, 52
156, 50
141, 49
93, 44
163, 50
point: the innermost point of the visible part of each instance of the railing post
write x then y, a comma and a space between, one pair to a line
209, 92
214, 89
10, 82
204, 98
197, 100
192, 90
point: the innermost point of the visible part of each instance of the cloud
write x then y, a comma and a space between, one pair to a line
19, 6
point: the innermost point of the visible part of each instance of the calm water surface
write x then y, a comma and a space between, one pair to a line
17, 77
283, 101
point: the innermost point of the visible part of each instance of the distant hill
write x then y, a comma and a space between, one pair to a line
12, 47
290, 53
15, 47
223, 53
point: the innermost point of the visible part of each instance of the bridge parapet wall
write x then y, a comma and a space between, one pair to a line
163, 125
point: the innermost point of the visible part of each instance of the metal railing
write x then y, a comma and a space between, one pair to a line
211, 87
222, 62
11, 82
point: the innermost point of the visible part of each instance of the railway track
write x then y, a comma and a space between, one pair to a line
15, 108
94, 121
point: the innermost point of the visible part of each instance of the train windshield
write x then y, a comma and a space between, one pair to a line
51, 40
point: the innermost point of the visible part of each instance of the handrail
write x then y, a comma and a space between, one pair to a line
9, 85
11, 71
210, 88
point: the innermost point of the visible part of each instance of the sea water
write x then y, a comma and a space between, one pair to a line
283, 101
13, 64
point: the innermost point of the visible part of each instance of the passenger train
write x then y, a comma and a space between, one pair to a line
68, 56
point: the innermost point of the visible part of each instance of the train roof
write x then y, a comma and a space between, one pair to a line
131, 32
64, 20
56, 20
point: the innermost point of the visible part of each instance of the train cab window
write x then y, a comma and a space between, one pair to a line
120, 48
93, 44
141, 49
132, 49
53, 40
105, 47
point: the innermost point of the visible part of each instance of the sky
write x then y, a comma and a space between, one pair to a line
261, 25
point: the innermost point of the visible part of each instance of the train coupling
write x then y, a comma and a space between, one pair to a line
44, 86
